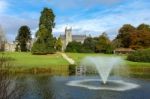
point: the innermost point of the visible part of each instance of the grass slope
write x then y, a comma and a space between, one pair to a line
79, 56
27, 60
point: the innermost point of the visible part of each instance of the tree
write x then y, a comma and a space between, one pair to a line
141, 37
144, 35
116, 43
104, 44
124, 35
23, 38
135, 38
74, 47
2, 39
135, 44
144, 27
144, 38
89, 44
58, 44
39, 47
44, 34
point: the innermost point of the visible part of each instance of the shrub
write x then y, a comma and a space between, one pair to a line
39, 48
74, 47
72, 69
140, 56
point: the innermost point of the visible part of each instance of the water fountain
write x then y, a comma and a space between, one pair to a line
104, 66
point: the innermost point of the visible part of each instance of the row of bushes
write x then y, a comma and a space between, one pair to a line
140, 56
78, 47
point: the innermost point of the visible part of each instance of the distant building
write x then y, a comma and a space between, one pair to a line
68, 37
123, 51
14, 46
29, 45
10, 47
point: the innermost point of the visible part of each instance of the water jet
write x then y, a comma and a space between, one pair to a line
104, 66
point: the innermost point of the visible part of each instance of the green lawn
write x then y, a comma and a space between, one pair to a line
27, 60
79, 56
55, 63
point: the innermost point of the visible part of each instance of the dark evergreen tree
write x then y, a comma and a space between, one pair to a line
23, 38
44, 34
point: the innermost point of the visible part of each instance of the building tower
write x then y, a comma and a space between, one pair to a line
68, 36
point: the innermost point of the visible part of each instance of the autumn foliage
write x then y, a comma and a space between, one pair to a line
134, 37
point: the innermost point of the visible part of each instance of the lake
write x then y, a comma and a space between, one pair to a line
54, 87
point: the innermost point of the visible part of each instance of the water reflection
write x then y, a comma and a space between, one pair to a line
36, 87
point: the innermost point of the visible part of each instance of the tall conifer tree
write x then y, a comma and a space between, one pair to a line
45, 41
23, 37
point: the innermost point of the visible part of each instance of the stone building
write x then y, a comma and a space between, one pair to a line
68, 37
10, 47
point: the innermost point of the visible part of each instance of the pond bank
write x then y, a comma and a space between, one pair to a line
140, 72
134, 72
26, 71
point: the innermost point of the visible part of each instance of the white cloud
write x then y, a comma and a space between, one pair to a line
11, 24
111, 20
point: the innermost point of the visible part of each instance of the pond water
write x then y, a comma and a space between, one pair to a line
55, 87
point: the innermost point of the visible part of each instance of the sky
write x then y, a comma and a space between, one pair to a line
84, 16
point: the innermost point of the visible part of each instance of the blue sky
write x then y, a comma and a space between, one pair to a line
84, 16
